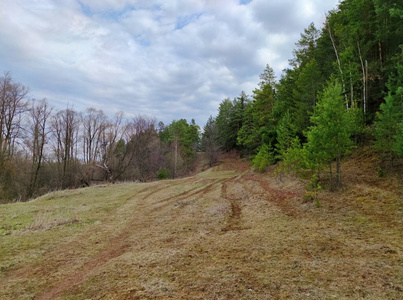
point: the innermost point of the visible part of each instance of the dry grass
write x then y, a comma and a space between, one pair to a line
226, 233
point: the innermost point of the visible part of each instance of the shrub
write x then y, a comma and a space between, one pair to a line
263, 159
163, 173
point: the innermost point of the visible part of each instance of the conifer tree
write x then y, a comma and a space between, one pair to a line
329, 137
286, 132
387, 126
399, 141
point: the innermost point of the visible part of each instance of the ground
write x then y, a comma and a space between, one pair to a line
225, 233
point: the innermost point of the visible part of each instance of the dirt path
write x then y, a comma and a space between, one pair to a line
227, 233
120, 244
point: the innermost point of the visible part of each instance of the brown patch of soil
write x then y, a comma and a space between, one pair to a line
234, 218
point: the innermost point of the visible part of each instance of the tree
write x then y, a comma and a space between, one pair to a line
210, 141
307, 85
65, 128
145, 147
268, 77
258, 127
286, 132
387, 126
38, 131
230, 119
12, 107
306, 46
263, 158
115, 153
329, 137
181, 140
94, 123
398, 146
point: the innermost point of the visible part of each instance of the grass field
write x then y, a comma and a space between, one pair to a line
225, 233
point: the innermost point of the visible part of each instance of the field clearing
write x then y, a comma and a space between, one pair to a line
225, 233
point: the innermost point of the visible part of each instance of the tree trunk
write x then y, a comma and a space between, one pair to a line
351, 91
176, 156
380, 54
364, 82
338, 63
338, 171
366, 87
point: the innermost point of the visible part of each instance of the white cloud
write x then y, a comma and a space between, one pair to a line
171, 59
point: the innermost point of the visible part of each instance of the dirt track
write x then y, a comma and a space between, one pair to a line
226, 233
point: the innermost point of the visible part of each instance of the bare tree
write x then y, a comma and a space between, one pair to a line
210, 141
12, 107
65, 126
143, 136
111, 146
37, 133
94, 123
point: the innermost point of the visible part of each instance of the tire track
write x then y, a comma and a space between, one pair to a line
234, 220
280, 198
117, 247
186, 194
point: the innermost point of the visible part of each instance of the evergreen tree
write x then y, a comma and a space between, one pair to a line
258, 127
387, 126
398, 146
230, 119
182, 141
264, 158
286, 132
329, 137
308, 83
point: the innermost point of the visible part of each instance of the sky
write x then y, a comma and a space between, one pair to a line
167, 59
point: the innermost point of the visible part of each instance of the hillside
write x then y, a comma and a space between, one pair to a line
225, 233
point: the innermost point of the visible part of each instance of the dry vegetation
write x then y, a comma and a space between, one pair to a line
225, 233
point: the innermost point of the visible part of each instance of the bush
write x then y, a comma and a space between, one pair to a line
263, 159
163, 173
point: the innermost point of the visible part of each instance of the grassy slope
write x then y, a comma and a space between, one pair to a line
226, 233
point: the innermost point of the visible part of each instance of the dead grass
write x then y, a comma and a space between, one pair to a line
226, 233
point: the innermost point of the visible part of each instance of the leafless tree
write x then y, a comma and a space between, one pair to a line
12, 107
37, 132
111, 147
65, 127
143, 146
210, 141
94, 123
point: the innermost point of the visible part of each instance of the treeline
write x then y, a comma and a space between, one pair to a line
42, 149
343, 88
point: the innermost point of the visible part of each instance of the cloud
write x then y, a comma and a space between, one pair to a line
170, 59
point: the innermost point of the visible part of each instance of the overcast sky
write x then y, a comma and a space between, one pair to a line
170, 59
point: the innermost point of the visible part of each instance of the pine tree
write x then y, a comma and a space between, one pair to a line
264, 158
398, 147
286, 132
329, 137
387, 126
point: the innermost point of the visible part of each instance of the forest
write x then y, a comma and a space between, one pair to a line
343, 89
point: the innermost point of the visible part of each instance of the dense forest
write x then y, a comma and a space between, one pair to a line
343, 89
